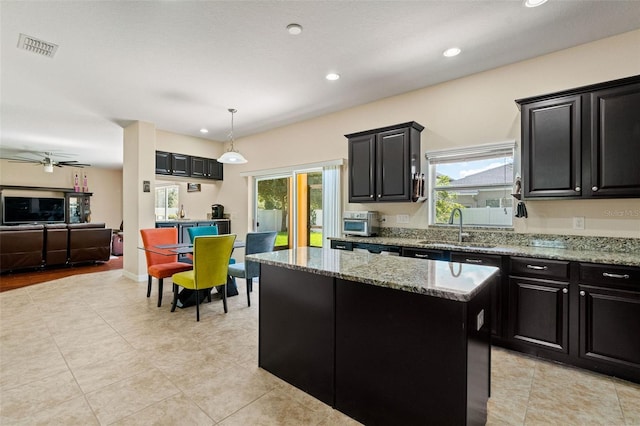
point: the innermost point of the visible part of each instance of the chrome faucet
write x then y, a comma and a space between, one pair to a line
453, 213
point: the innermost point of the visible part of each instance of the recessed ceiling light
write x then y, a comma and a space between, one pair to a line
453, 51
203, 130
294, 29
332, 76
534, 3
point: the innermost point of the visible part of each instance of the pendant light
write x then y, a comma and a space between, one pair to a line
232, 156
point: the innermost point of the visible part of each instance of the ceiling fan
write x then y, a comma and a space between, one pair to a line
47, 161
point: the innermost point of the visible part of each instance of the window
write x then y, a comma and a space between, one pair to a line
167, 202
478, 180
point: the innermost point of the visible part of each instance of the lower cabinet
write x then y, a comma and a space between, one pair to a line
610, 315
539, 303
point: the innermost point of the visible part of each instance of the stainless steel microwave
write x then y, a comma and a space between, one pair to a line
360, 223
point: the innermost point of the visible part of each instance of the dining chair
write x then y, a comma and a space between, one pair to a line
196, 231
211, 255
257, 242
159, 265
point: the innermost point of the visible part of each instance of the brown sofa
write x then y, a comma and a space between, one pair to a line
36, 246
89, 242
21, 247
56, 244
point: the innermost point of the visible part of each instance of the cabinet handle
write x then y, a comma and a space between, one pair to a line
565, 291
371, 196
341, 247
473, 260
594, 188
422, 256
578, 189
379, 195
582, 293
609, 275
537, 268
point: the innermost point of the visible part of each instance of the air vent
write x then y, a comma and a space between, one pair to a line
34, 45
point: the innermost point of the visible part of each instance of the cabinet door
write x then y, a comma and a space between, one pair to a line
393, 174
551, 146
180, 165
610, 325
199, 167
163, 163
362, 159
215, 169
538, 313
615, 142
497, 289
224, 226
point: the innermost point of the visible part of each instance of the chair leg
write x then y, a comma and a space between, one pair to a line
149, 286
197, 305
249, 283
224, 298
159, 292
175, 298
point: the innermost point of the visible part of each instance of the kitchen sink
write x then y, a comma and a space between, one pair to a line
454, 244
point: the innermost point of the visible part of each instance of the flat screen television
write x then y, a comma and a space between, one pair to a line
16, 210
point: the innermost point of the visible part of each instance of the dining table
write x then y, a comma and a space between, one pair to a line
187, 248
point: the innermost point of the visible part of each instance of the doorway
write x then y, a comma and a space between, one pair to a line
291, 204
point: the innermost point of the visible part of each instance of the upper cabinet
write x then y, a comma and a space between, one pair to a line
206, 168
382, 163
173, 164
581, 143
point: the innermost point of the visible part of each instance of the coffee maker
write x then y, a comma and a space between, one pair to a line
217, 211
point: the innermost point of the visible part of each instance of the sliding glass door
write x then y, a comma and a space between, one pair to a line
291, 204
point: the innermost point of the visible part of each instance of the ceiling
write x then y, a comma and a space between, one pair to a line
182, 64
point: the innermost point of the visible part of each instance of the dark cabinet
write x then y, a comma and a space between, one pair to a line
382, 163
610, 315
497, 290
421, 253
163, 163
173, 164
580, 143
207, 168
539, 307
615, 142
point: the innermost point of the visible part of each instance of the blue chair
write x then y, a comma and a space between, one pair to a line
257, 242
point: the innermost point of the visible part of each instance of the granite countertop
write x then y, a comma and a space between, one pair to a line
447, 280
592, 256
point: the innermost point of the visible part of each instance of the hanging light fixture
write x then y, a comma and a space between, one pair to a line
232, 156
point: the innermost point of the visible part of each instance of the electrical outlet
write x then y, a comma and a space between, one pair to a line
402, 218
578, 222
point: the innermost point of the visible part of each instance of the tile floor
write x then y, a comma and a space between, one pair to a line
92, 349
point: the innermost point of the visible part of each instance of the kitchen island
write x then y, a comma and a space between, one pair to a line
384, 339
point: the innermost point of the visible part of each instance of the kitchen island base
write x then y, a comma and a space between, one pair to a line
380, 355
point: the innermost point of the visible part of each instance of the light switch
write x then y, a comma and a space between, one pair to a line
402, 218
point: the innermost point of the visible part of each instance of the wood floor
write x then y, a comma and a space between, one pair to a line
15, 280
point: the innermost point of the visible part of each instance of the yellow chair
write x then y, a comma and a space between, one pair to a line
210, 268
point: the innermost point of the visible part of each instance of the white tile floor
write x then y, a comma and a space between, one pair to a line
92, 349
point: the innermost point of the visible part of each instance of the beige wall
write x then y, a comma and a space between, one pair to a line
468, 111
105, 184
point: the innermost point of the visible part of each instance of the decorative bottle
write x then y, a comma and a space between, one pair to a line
182, 211
76, 184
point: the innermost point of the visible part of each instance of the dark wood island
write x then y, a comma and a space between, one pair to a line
383, 339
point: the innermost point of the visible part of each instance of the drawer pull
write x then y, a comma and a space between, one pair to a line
582, 293
565, 291
537, 268
473, 260
621, 276
422, 256
341, 246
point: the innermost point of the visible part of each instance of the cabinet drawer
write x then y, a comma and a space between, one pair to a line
611, 275
477, 259
424, 253
342, 245
554, 269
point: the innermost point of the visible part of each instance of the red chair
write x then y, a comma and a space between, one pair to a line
159, 265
